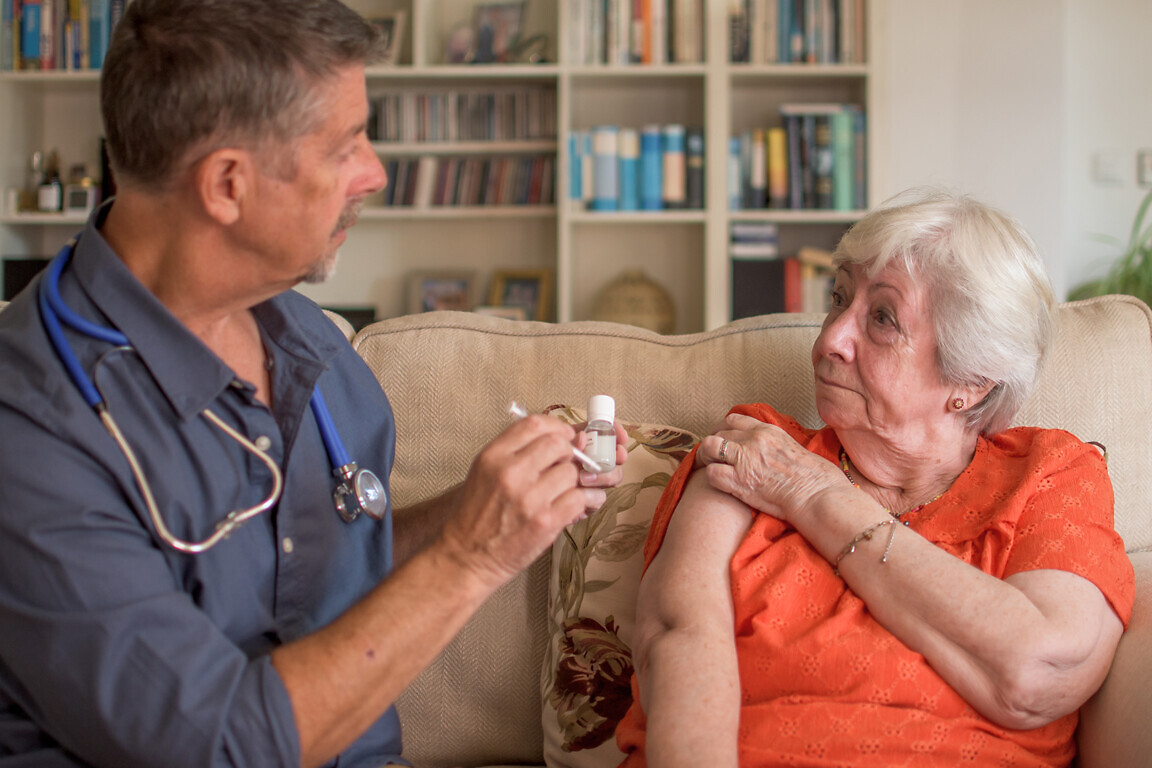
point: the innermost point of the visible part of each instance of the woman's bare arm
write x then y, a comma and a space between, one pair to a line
685, 635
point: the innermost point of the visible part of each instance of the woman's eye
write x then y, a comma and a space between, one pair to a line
837, 298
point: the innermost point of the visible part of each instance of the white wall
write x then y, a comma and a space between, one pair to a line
1010, 100
1109, 118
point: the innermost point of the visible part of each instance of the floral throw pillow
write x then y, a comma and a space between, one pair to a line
596, 565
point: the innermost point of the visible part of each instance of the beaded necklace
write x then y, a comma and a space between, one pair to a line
898, 515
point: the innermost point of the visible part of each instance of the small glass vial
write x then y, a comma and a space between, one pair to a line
601, 433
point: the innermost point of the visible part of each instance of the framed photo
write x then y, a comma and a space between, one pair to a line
530, 289
496, 30
430, 291
391, 26
508, 313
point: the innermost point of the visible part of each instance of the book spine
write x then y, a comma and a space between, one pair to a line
47, 34
675, 166
651, 169
777, 168
30, 34
694, 159
605, 148
794, 128
97, 33
7, 35
860, 134
843, 161
793, 291
575, 166
758, 171
629, 169
735, 177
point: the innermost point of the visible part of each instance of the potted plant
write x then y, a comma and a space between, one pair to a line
1132, 271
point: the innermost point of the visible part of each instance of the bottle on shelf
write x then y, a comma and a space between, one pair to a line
50, 193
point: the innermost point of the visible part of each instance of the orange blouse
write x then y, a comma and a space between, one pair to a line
823, 683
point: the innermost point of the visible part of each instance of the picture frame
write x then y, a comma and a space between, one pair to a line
496, 30
391, 26
441, 290
530, 289
508, 313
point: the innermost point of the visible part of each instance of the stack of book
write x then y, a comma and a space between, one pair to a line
765, 282
657, 167
815, 160
430, 181
624, 32
483, 114
796, 31
56, 34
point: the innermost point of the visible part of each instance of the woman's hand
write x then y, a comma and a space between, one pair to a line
765, 468
593, 482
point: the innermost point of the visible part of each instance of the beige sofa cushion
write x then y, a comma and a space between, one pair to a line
450, 377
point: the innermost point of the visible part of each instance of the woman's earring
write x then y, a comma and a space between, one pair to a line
958, 403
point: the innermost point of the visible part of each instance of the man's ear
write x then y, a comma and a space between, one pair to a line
224, 181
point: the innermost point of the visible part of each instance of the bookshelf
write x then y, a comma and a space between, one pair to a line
685, 251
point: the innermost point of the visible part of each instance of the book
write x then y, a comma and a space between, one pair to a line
694, 161
575, 166
30, 34
651, 169
605, 148
674, 166
843, 140
735, 177
7, 35
758, 171
777, 168
765, 286
628, 169
99, 17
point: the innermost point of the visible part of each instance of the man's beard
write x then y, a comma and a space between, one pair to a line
325, 266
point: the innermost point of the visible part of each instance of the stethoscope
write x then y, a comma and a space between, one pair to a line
358, 490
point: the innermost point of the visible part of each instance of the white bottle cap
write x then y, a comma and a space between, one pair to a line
601, 408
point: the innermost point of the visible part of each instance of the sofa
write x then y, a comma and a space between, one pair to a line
534, 678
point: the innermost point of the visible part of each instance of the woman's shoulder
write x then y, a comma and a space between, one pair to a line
1041, 452
770, 415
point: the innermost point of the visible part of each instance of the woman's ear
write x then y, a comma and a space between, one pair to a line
964, 398
223, 181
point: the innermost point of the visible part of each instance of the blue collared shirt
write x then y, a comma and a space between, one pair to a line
116, 649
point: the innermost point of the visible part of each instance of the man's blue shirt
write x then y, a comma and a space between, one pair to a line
116, 649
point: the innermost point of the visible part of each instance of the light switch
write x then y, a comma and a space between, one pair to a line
1144, 167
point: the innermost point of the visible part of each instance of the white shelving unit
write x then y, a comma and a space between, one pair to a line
684, 251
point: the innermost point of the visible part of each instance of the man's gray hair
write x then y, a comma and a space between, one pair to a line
992, 305
183, 78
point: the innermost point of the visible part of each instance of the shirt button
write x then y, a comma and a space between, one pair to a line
263, 443
287, 545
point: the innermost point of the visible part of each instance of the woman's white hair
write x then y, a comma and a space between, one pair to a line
991, 302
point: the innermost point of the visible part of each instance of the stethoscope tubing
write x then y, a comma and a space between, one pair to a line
56, 313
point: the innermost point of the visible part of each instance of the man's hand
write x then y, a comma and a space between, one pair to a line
520, 492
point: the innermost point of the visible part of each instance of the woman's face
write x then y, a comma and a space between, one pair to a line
875, 358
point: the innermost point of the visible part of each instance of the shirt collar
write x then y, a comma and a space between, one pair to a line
189, 374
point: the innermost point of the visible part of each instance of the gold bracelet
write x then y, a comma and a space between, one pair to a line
865, 535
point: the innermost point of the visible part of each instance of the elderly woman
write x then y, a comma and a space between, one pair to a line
913, 584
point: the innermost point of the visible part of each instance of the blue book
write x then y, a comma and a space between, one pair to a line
629, 169
30, 35
651, 169
575, 166
99, 18
605, 148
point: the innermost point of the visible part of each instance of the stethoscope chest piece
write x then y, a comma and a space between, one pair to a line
359, 491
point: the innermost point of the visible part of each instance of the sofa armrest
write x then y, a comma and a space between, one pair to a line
1114, 723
